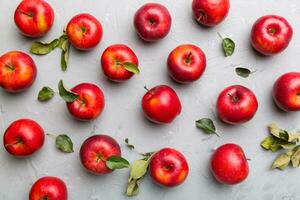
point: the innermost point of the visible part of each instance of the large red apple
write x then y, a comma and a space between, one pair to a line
84, 31
114, 61
23, 137
168, 167
271, 34
161, 104
152, 22
229, 164
96, 150
210, 12
186, 63
89, 104
34, 18
236, 104
48, 188
17, 71
286, 91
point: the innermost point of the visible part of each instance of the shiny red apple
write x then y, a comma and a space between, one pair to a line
168, 167
114, 60
23, 137
236, 104
48, 188
186, 63
96, 150
271, 34
84, 31
286, 91
229, 164
34, 18
90, 103
152, 22
210, 12
161, 104
17, 71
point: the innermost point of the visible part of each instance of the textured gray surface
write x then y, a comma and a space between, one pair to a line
122, 116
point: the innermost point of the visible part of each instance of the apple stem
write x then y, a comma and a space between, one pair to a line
188, 59
145, 87
249, 159
19, 141
217, 134
9, 66
30, 14
52, 136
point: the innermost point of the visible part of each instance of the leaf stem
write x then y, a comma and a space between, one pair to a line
52, 136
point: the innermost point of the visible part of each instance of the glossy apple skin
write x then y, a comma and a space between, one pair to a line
112, 59
23, 137
229, 164
168, 167
90, 103
152, 22
34, 18
17, 71
84, 31
236, 104
161, 104
186, 63
49, 188
271, 34
286, 91
210, 12
96, 150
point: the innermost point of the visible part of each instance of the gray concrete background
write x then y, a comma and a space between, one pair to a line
123, 118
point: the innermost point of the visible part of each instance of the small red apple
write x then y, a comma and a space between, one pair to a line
84, 31
96, 150
114, 59
186, 63
236, 104
48, 188
210, 12
168, 167
34, 18
161, 104
229, 164
17, 71
152, 22
271, 34
286, 91
90, 103
23, 137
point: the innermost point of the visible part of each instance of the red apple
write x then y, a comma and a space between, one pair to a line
34, 18
271, 34
48, 188
96, 150
168, 167
90, 103
17, 71
114, 59
229, 164
236, 104
186, 63
161, 104
84, 31
210, 12
286, 91
152, 22
23, 137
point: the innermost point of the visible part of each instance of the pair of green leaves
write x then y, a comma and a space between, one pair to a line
138, 170
282, 139
40, 48
206, 125
228, 46
63, 143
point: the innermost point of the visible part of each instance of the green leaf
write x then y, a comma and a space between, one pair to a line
132, 187
139, 169
40, 48
64, 143
295, 158
131, 67
127, 144
282, 161
243, 72
65, 49
207, 125
228, 46
116, 162
65, 93
45, 94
